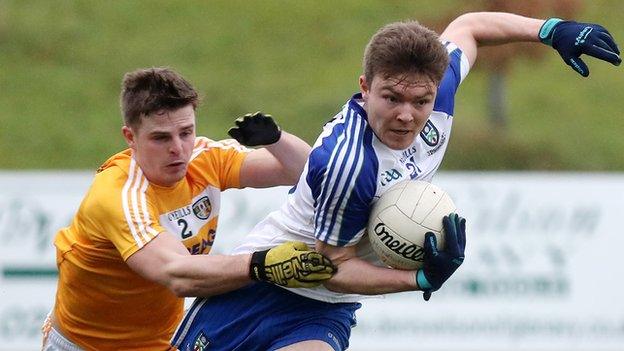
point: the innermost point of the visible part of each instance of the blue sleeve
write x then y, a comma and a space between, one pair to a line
342, 177
445, 99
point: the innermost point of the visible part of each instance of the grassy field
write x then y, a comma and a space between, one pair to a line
61, 64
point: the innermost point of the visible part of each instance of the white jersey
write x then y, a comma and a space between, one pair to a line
347, 170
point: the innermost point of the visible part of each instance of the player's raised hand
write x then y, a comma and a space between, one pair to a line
572, 39
292, 265
439, 265
255, 129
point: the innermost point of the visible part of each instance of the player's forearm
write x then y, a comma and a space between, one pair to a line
292, 153
207, 275
356, 276
493, 28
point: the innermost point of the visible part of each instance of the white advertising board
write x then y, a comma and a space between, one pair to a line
542, 268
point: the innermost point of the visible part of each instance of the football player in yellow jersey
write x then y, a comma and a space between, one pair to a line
140, 239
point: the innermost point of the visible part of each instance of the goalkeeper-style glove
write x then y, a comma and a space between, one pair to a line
255, 129
292, 265
438, 265
572, 39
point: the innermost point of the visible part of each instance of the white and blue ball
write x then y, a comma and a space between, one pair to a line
401, 217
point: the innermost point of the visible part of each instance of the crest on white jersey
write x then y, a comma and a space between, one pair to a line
430, 134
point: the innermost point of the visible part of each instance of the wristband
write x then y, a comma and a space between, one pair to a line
422, 281
256, 266
546, 31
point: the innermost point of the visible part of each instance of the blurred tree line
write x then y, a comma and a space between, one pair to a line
61, 64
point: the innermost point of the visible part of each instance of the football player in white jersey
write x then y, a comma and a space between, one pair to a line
397, 127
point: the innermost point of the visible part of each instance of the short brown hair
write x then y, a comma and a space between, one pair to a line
404, 48
152, 89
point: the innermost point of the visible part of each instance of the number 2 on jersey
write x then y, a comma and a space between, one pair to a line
185, 232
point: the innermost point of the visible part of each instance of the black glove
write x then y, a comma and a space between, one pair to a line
438, 266
572, 39
292, 265
255, 129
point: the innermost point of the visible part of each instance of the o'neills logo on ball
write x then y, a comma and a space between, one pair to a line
411, 252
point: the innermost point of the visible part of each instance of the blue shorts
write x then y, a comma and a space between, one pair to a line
262, 316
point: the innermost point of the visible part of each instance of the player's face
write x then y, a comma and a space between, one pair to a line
397, 108
163, 143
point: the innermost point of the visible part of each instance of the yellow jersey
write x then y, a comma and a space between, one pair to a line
101, 304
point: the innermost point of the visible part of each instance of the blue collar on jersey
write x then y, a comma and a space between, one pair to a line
353, 104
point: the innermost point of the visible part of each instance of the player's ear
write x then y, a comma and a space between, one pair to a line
129, 135
364, 88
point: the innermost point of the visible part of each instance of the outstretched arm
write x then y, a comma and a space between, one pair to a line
471, 30
279, 162
570, 39
166, 261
